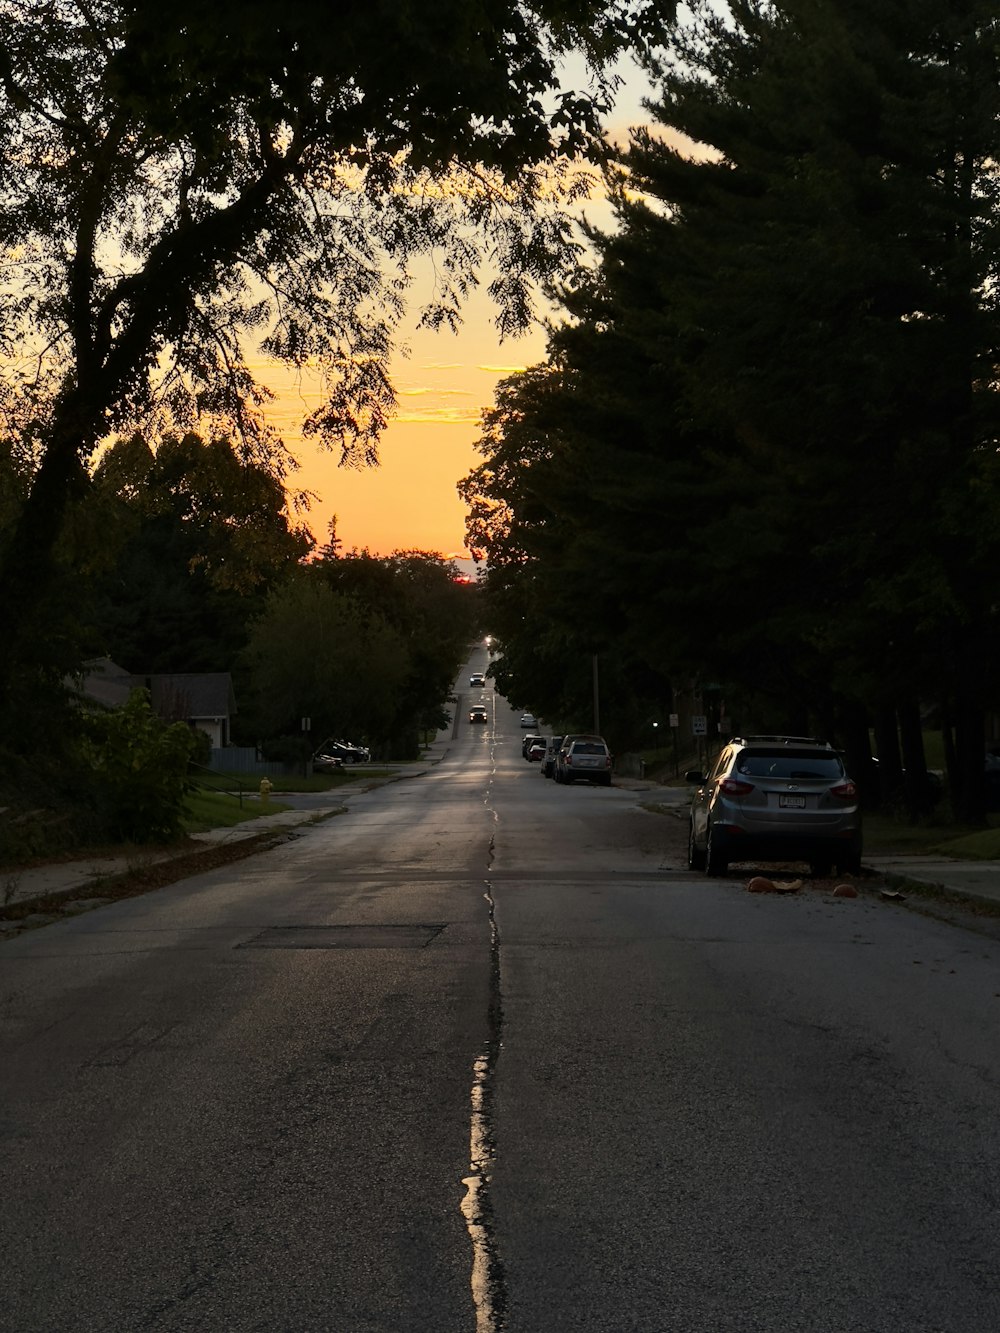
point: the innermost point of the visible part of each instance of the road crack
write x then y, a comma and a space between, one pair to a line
489, 1293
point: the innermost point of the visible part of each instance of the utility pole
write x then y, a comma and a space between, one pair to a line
597, 701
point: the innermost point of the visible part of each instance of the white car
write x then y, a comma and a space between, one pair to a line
477, 678
528, 720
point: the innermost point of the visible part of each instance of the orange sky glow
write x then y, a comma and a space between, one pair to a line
409, 501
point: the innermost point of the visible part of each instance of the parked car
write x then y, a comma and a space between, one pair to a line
583, 758
527, 742
552, 747
775, 798
477, 713
326, 763
345, 751
536, 750
477, 678
528, 720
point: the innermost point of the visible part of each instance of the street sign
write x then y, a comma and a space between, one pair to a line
699, 726
675, 719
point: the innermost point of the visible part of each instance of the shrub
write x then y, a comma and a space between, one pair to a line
139, 767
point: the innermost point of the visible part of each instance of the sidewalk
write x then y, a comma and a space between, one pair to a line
975, 880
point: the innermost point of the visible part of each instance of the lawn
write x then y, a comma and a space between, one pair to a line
206, 810
940, 836
318, 782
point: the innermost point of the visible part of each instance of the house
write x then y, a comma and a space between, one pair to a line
202, 699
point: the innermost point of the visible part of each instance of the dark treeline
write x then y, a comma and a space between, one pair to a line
180, 206
186, 559
762, 452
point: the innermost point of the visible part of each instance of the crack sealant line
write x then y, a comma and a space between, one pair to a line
487, 1278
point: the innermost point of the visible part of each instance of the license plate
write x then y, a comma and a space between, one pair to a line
792, 802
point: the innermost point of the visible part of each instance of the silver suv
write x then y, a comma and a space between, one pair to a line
583, 757
775, 798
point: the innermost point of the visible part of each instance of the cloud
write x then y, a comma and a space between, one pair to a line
442, 416
503, 370
441, 393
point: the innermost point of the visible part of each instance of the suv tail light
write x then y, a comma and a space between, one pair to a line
733, 787
844, 791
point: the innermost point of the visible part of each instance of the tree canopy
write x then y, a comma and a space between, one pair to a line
778, 388
187, 542
366, 646
183, 187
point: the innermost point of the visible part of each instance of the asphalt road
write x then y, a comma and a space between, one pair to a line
481, 1055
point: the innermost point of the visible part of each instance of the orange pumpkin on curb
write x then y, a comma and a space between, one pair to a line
845, 891
761, 885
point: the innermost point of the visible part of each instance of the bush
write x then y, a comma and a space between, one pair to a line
287, 749
139, 768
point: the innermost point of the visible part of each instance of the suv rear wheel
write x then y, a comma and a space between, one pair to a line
696, 857
716, 854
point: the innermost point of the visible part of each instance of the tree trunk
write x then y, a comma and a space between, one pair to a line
858, 750
968, 794
916, 786
890, 763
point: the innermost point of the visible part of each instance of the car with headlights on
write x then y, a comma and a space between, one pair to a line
477, 713
775, 798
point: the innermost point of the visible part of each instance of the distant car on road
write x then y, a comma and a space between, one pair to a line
477, 713
528, 720
536, 750
527, 742
477, 678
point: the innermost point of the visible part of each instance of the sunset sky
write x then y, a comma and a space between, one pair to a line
409, 501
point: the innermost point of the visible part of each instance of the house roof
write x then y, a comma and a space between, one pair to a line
195, 694
181, 696
105, 683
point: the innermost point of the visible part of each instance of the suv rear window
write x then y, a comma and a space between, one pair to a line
588, 747
781, 764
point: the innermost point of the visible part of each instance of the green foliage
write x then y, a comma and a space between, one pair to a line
316, 653
139, 769
362, 645
763, 449
185, 193
192, 538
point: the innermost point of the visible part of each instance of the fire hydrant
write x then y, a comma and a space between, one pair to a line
265, 790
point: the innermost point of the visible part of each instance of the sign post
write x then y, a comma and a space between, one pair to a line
699, 729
